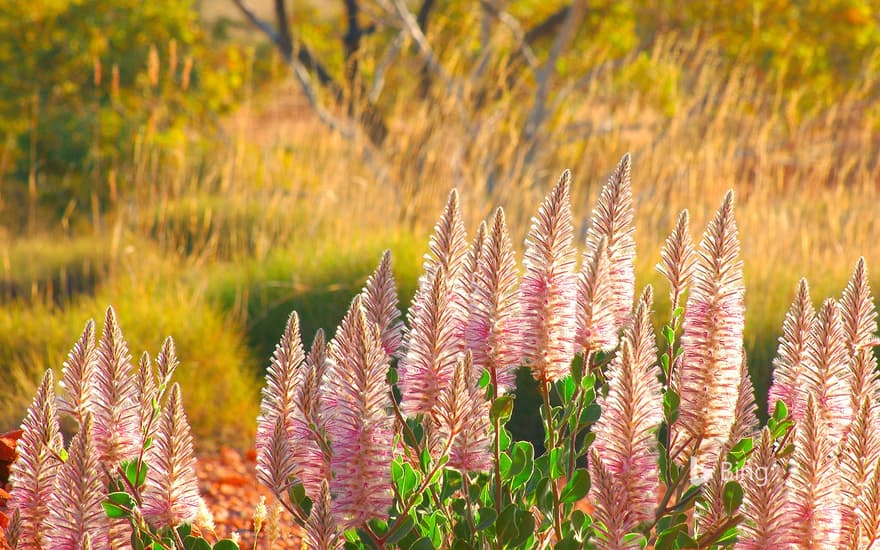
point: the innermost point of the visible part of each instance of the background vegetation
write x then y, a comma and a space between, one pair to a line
206, 176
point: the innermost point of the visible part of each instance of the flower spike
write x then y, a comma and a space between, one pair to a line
308, 425
596, 323
380, 304
766, 521
677, 259
77, 375
171, 491
359, 424
612, 220
827, 376
549, 287
33, 474
712, 342
793, 355
492, 333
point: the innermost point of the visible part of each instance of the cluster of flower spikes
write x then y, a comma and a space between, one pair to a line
57, 494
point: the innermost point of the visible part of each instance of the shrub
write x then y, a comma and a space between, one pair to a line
395, 436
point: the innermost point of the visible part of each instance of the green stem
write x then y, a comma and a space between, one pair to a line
551, 444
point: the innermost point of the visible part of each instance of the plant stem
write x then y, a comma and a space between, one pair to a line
551, 444
496, 449
579, 399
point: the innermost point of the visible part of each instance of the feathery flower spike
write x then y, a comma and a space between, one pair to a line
549, 287
279, 393
712, 342
611, 516
492, 333
677, 259
432, 348
857, 310
75, 507
596, 322
77, 375
171, 491
793, 355
275, 465
612, 220
167, 362
814, 483
359, 424
32, 475
631, 412
380, 304
766, 520
463, 417
116, 413
827, 376
858, 460
320, 529
308, 427
146, 390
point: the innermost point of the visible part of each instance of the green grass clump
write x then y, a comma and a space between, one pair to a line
216, 372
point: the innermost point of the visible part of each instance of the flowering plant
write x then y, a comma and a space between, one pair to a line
394, 435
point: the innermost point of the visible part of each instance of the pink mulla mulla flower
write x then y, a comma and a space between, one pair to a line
612, 221
677, 259
432, 348
380, 305
612, 515
308, 425
320, 531
166, 362
858, 461
868, 513
75, 507
279, 392
147, 392
275, 465
767, 522
814, 483
115, 406
463, 421
625, 441
712, 344
857, 310
548, 291
33, 474
492, 333
171, 491
793, 354
359, 423
596, 323
77, 375
827, 376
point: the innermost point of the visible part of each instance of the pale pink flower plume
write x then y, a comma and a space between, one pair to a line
147, 392
827, 376
77, 376
380, 305
793, 355
596, 321
612, 516
612, 220
75, 507
359, 425
166, 363
462, 419
677, 259
171, 491
115, 404
468, 289
432, 348
868, 509
814, 483
308, 424
766, 522
860, 326
275, 466
712, 343
858, 463
278, 399
320, 531
549, 287
33, 474
625, 433
492, 334
745, 418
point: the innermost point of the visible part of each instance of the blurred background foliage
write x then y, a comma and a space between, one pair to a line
207, 167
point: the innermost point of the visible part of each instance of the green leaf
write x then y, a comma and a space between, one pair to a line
671, 402
568, 388
226, 544
391, 377
114, 511
485, 378
505, 464
523, 455
62, 452
637, 538
588, 382
487, 518
298, 498
731, 496
780, 412
195, 543
669, 335
501, 409
423, 543
664, 364
577, 487
556, 469
590, 414
678, 312
135, 477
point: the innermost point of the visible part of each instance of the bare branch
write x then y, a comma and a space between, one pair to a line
515, 28
384, 64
